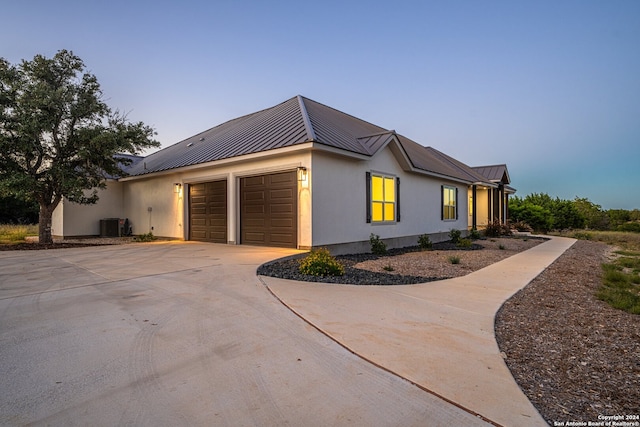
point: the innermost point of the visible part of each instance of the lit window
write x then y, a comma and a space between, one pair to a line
383, 198
449, 199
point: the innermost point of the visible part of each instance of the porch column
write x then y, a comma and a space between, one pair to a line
474, 210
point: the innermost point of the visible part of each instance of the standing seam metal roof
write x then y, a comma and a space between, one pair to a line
296, 121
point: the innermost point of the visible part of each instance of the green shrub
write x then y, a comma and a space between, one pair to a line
319, 262
474, 234
454, 235
378, 247
149, 237
454, 259
424, 242
464, 243
388, 268
630, 226
501, 247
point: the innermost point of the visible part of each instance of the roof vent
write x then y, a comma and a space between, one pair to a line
190, 144
202, 138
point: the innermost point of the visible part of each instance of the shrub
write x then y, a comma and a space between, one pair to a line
522, 226
454, 259
424, 242
474, 234
388, 268
454, 235
319, 262
149, 237
378, 247
464, 243
501, 247
494, 229
630, 226
583, 235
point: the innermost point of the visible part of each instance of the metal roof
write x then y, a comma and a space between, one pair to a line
296, 121
494, 173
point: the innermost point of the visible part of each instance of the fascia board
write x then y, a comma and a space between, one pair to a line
226, 162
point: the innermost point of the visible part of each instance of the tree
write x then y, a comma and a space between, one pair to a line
593, 214
58, 138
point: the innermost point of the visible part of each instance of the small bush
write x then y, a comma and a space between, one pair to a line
454, 259
474, 234
633, 227
464, 243
378, 247
522, 226
454, 235
501, 247
494, 229
149, 237
388, 268
424, 242
319, 262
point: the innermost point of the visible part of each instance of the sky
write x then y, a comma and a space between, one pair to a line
551, 88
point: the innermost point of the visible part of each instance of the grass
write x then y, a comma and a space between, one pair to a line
626, 240
621, 277
10, 233
454, 259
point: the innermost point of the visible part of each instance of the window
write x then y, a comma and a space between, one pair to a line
449, 203
383, 204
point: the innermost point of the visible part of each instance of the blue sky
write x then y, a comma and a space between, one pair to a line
551, 88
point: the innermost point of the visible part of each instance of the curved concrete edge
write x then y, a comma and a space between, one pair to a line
438, 335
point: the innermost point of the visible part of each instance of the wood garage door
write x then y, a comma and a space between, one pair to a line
208, 211
268, 210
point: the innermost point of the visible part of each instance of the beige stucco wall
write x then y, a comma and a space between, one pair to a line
71, 219
339, 201
168, 216
482, 214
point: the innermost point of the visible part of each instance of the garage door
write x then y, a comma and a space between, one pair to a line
268, 210
208, 211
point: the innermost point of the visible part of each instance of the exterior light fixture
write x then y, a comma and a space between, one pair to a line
176, 187
302, 174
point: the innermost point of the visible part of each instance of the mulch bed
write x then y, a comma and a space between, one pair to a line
574, 356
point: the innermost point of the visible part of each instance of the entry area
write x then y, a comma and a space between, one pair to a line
208, 211
268, 210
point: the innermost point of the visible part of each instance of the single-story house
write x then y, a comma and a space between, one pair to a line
299, 174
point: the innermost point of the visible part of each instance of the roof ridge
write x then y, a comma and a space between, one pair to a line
305, 119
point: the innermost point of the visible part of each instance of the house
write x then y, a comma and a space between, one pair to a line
299, 174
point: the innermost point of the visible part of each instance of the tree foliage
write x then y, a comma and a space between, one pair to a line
58, 138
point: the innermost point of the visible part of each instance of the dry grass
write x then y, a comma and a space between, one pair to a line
10, 233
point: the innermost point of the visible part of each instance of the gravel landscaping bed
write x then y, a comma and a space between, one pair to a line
574, 356
410, 265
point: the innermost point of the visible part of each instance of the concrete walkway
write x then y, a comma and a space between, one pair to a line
438, 335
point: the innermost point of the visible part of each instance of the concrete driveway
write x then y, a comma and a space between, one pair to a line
179, 334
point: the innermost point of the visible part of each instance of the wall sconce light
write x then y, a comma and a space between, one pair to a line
302, 174
176, 187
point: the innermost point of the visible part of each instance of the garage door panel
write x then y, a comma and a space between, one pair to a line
269, 209
286, 194
254, 181
208, 211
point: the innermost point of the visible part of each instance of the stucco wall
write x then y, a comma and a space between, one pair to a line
482, 214
168, 216
339, 201
71, 219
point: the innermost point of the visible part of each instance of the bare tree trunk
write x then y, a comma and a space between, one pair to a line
44, 223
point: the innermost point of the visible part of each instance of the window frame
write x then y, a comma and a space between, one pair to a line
449, 212
379, 204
